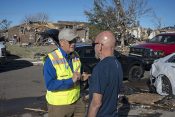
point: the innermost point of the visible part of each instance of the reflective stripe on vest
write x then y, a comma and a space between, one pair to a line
63, 71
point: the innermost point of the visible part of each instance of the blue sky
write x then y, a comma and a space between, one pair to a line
73, 10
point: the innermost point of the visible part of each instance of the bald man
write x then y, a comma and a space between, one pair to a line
106, 79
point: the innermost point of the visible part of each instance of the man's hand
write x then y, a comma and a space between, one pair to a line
76, 75
85, 76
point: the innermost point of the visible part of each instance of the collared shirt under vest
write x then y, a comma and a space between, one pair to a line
63, 71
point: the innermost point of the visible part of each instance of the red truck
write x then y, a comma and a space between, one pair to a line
161, 45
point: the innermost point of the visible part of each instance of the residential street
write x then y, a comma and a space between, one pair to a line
22, 93
71, 38
21, 86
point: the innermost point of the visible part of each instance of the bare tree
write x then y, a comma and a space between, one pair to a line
157, 21
4, 24
42, 17
39, 17
117, 15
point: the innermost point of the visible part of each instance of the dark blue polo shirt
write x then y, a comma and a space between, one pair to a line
106, 79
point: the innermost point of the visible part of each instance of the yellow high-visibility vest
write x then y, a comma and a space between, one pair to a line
63, 71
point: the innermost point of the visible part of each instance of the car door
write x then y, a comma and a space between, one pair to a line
89, 57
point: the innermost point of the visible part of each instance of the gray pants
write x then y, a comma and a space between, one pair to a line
77, 108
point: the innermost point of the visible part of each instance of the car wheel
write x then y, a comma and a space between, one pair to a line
166, 86
135, 73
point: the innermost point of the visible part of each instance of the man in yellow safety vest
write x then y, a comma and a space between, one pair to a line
62, 75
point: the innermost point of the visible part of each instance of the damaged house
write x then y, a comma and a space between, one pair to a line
31, 33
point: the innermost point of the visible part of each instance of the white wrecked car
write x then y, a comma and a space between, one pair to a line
163, 75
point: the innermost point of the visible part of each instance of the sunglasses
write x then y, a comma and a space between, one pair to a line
93, 44
72, 41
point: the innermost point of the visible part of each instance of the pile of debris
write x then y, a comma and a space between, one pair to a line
134, 98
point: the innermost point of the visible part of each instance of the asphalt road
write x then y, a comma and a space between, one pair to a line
22, 89
21, 86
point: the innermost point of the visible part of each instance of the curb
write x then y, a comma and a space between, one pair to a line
33, 61
37, 63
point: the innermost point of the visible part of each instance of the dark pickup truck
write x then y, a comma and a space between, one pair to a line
132, 66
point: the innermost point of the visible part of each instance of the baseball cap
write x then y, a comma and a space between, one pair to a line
67, 34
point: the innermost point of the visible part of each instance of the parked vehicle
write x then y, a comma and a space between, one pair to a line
2, 50
159, 46
132, 66
162, 75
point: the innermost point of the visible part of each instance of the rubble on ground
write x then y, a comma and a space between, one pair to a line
144, 98
135, 99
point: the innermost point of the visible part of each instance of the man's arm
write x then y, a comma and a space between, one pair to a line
50, 78
95, 105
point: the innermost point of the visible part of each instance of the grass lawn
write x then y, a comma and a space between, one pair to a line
28, 52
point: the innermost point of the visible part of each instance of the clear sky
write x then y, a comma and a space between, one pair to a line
73, 10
